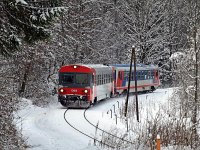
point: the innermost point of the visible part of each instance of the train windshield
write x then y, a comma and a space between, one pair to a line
74, 79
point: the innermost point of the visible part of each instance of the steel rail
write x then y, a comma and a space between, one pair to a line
113, 147
104, 130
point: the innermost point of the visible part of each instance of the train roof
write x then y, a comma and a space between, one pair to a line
89, 65
94, 65
86, 67
117, 66
139, 66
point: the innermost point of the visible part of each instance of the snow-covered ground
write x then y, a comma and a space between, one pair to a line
46, 128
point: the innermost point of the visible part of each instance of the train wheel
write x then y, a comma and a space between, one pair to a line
153, 88
63, 102
111, 94
95, 100
124, 92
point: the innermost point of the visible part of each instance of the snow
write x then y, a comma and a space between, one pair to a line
21, 1
46, 128
177, 55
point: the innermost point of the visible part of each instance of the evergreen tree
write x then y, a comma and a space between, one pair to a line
27, 21
20, 22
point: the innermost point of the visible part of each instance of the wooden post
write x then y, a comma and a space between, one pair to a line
129, 81
133, 59
96, 133
114, 108
158, 142
116, 118
136, 92
111, 112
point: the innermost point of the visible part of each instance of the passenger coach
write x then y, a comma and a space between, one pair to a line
147, 78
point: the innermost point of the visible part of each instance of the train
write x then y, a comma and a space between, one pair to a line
81, 85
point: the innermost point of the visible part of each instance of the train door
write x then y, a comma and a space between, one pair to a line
120, 78
156, 76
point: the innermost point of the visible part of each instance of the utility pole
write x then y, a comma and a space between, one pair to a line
136, 92
129, 81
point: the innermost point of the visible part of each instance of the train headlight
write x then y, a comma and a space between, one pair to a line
85, 91
61, 90
75, 67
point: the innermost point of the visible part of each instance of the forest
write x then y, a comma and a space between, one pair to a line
39, 36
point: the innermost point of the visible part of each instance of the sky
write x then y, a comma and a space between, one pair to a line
47, 129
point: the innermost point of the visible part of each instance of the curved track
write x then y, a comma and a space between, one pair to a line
104, 130
93, 138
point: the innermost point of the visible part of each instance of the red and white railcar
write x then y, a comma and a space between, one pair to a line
81, 85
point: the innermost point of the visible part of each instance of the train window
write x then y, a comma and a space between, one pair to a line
93, 79
107, 78
104, 78
68, 78
77, 79
101, 79
142, 75
110, 77
81, 79
145, 75
149, 74
132, 73
98, 79
138, 75
126, 75
152, 74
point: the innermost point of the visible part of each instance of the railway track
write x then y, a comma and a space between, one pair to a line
89, 136
122, 139
97, 128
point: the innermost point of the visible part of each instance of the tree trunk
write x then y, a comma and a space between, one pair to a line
195, 105
24, 81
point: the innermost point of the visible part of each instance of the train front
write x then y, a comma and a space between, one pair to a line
75, 86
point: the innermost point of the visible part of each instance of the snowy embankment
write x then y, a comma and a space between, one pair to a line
46, 129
